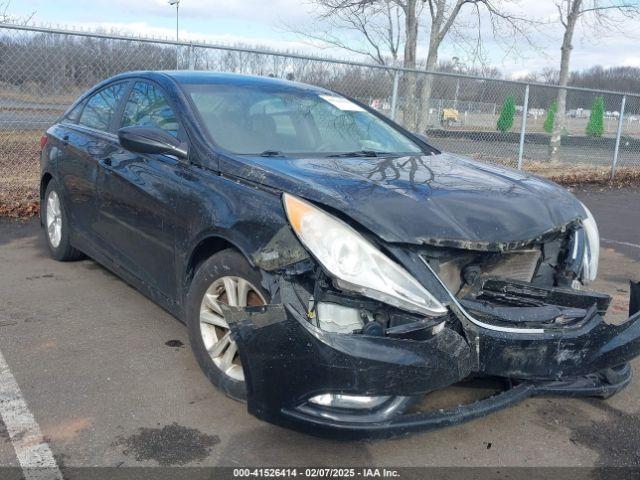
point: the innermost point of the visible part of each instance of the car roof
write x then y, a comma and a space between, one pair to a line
197, 77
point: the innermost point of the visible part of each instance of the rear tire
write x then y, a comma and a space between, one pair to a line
226, 277
57, 225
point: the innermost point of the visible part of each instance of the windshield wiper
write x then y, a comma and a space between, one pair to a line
360, 153
272, 153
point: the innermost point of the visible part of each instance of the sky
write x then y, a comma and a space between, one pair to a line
264, 24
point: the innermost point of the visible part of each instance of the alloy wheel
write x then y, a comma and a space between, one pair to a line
216, 336
54, 219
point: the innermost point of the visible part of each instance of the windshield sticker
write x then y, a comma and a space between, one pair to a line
342, 103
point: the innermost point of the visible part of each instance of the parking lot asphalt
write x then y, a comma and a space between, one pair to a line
110, 379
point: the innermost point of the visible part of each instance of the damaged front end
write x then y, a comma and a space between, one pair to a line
358, 334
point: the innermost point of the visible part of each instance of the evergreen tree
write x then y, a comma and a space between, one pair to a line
595, 127
508, 112
551, 117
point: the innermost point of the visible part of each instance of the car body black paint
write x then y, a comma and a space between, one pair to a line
435, 199
144, 216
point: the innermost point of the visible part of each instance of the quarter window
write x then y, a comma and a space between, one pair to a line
147, 106
100, 108
74, 115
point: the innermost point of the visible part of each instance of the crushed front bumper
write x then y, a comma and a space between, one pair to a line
370, 425
288, 361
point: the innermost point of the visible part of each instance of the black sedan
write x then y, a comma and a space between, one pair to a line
331, 267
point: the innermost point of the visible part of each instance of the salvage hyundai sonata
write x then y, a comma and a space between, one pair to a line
331, 267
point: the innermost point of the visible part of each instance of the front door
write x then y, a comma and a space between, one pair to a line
137, 192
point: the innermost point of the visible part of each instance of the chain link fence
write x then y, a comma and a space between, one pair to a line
43, 70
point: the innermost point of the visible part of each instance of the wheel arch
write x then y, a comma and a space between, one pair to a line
45, 179
44, 182
205, 248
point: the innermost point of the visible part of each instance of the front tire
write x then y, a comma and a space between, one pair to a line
57, 225
226, 278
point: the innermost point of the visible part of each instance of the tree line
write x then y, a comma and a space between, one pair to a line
57, 62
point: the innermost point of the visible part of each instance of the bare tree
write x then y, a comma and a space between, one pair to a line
372, 28
4, 12
604, 15
412, 10
387, 27
5, 17
444, 16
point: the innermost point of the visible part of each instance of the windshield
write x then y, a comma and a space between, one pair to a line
273, 119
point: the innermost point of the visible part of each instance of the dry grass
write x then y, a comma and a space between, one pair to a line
19, 172
34, 93
575, 175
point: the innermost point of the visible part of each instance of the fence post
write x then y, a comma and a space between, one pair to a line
523, 128
618, 135
394, 94
192, 57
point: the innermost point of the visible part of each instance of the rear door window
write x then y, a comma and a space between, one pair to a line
100, 108
147, 106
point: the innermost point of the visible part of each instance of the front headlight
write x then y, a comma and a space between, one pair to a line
592, 250
354, 263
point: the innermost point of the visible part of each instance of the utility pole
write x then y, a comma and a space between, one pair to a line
177, 4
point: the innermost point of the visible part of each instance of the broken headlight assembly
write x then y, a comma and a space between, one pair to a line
354, 263
592, 247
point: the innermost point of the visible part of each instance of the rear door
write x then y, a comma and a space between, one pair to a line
137, 192
86, 139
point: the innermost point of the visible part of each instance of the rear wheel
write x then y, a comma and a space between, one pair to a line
57, 225
225, 278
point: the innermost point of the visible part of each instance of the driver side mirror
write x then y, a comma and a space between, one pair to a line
151, 140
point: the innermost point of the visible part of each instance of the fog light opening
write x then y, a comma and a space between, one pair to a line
351, 402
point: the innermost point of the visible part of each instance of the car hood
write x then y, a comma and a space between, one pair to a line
441, 199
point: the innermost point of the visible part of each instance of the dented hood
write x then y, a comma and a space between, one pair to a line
440, 199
